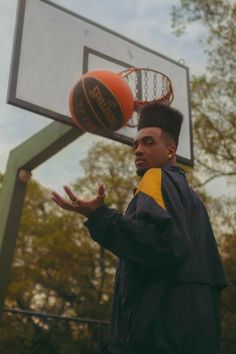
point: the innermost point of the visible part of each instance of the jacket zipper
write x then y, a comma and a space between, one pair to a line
130, 322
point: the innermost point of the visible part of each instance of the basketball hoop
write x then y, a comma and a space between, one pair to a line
148, 86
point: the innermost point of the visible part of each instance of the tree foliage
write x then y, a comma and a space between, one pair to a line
213, 106
214, 93
106, 163
59, 269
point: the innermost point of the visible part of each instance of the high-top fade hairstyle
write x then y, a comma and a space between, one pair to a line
162, 116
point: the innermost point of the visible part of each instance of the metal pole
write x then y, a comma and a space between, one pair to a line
22, 160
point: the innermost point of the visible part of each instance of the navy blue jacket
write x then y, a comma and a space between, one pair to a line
169, 273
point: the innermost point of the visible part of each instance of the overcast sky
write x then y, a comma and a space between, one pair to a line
147, 22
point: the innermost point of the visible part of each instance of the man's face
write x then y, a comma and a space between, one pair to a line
152, 148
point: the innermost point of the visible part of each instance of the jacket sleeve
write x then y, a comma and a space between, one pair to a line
147, 236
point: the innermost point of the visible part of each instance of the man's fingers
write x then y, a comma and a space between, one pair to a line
70, 194
84, 207
57, 202
56, 196
60, 201
101, 191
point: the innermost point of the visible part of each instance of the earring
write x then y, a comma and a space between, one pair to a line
169, 156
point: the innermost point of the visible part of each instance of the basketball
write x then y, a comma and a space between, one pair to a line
101, 101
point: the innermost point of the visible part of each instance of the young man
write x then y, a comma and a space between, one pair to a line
169, 275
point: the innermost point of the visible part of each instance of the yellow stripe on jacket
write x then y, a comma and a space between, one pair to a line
150, 184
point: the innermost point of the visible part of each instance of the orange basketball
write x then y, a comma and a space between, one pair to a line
101, 101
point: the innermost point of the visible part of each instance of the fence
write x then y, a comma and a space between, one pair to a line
29, 332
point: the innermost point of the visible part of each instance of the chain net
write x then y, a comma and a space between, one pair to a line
148, 86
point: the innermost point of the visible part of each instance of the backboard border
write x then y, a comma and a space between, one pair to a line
16, 50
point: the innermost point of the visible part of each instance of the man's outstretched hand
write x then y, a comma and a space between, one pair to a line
84, 207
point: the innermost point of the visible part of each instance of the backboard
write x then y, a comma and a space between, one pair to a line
53, 47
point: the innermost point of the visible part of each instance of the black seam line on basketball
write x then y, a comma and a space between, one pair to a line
111, 93
74, 116
72, 110
91, 107
99, 120
117, 100
96, 127
84, 126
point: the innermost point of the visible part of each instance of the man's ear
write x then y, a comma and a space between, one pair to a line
172, 149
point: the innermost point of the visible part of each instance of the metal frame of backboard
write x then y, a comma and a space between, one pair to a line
27, 156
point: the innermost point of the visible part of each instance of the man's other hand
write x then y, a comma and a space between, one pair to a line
84, 207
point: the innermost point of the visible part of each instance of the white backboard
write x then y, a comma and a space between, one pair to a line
53, 47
